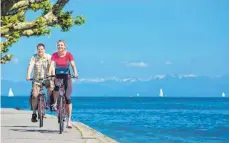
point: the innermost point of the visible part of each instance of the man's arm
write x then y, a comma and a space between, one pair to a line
51, 68
30, 68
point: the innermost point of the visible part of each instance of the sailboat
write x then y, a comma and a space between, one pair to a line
161, 93
11, 94
223, 94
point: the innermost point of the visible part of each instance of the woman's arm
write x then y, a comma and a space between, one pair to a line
74, 68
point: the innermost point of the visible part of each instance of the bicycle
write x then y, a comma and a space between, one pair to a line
41, 105
61, 103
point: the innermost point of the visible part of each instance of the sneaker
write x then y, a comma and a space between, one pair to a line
54, 108
65, 118
34, 117
44, 115
47, 106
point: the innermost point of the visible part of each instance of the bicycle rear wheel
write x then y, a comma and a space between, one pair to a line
40, 111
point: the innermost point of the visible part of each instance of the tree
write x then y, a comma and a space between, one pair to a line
14, 24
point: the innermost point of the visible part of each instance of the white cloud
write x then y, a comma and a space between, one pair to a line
137, 64
133, 79
168, 63
189, 75
92, 80
96, 80
160, 76
127, 80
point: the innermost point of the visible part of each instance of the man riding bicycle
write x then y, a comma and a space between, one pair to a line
39, 64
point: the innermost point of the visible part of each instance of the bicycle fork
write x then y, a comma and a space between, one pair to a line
61, 95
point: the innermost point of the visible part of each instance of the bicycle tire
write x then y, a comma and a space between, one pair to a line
40, 113
61, 115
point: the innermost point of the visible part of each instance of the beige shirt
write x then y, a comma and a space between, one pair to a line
40, 65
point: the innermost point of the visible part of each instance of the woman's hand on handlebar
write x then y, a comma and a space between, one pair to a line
75, 76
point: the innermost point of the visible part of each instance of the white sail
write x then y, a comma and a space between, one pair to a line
161, 93
223, 94
10, 93
138, 94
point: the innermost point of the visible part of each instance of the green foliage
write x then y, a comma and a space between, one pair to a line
18, 17
9, 19
79, 20
65, 20
21, 19
40, 21
44, 5
6, 58
41, 31
14, 25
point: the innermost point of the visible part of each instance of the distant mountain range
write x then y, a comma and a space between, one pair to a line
172, 85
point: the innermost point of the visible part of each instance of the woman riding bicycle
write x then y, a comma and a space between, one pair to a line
61, 60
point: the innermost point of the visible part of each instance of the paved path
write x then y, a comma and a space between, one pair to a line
16, 127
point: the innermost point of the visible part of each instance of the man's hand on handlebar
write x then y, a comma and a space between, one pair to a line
28, 78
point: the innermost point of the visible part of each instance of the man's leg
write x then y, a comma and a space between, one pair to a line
36, 89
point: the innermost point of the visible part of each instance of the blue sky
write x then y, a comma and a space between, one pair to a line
137, 38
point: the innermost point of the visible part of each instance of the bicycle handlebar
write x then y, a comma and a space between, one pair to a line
48, 76
71, 76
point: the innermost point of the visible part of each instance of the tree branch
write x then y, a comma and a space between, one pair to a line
50, 19
10, 7
14, 25
36, 32
6, 58
59, 6
19, 4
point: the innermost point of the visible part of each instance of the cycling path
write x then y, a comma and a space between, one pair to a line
16, 127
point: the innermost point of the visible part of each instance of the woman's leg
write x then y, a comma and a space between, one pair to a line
55, 93
50, 90
68, 95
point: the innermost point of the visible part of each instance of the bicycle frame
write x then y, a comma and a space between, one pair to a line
61, 106
41, 105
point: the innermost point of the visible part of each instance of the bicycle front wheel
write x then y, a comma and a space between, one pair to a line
61, 123
40, 111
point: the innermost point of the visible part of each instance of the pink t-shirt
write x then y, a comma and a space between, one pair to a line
62, 61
